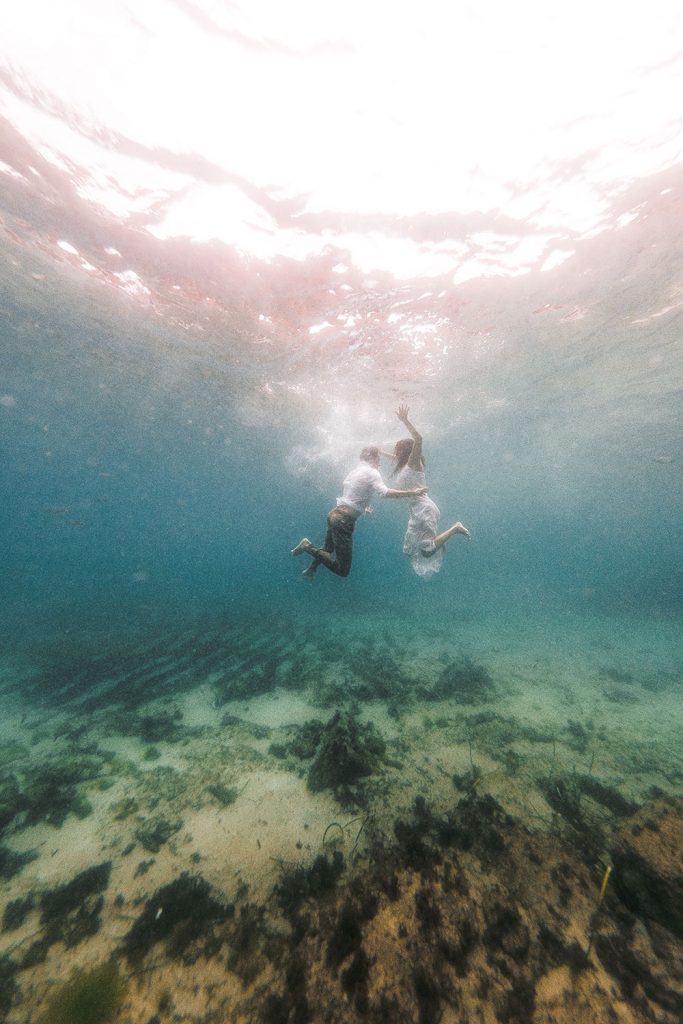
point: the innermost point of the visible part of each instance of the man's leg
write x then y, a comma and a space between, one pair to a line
338, 550
327, 546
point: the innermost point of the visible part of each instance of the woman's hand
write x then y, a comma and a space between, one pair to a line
402, 413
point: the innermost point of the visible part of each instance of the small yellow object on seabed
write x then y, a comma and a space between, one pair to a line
605, 880
594, 918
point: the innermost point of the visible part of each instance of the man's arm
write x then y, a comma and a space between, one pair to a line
379, 487
414, 492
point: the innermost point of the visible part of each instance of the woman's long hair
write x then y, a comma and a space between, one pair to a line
402, 452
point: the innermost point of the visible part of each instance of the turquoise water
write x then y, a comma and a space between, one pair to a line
134, 488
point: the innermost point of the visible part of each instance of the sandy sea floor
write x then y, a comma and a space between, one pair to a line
202, 754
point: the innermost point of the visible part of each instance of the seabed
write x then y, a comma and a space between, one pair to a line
358, 820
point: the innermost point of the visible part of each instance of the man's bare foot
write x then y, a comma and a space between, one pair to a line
311, 571
459, 528
303, 547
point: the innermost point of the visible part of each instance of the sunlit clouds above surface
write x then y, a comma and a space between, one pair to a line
336, 173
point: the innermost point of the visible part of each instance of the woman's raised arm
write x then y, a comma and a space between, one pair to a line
415, 460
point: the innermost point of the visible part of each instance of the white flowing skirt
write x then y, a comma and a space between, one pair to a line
419, 539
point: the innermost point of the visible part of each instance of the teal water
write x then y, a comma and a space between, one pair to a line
138, 488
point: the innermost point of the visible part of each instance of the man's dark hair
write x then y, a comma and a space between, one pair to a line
371, 452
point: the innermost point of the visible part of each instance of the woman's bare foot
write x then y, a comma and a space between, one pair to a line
447, 534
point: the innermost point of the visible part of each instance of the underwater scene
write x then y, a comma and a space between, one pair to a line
446, 785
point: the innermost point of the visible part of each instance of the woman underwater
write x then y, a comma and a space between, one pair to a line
422, 544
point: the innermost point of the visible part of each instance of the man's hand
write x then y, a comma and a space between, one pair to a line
369, 510
402, 413
419, 491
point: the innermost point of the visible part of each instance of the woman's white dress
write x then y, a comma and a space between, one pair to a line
422, 525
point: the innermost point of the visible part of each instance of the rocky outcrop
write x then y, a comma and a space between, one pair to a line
648, 869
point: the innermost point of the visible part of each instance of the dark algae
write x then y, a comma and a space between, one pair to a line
72, 912
179, 915
396, 905
11, 862
92, 996
462, 681
16, 912
472, 941
154, 833
347, 753
8, 985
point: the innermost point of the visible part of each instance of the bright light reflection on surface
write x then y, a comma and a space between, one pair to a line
529, 108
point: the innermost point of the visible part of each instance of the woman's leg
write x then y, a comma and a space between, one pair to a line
441, 538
